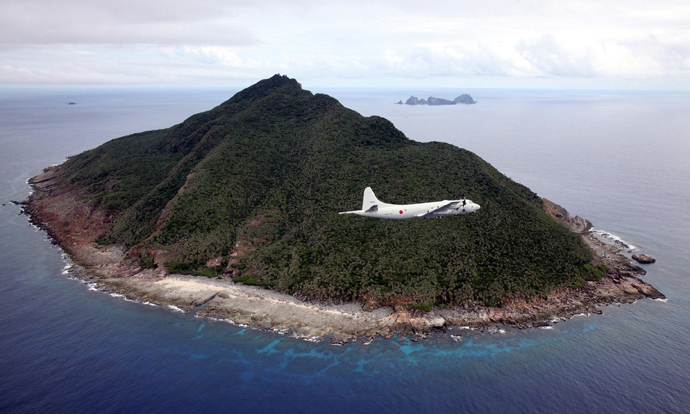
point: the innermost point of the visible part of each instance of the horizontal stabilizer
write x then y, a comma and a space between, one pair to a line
351, 212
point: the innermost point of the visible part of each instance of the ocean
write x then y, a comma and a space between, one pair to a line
616, 158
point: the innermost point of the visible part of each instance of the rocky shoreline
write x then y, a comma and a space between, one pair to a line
75, 224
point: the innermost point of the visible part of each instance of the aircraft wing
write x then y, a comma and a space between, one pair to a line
430, 212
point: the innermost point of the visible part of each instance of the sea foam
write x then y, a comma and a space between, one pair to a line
609, 238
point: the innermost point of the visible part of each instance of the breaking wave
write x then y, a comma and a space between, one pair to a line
609, 238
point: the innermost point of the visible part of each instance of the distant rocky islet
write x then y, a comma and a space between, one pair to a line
462, 99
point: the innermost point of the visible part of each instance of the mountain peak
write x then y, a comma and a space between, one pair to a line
266, 87
277, 81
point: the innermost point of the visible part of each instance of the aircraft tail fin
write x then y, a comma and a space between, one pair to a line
370, 199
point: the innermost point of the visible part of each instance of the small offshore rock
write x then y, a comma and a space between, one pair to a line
643, 258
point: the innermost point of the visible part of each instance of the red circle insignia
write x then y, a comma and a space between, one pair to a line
400, 211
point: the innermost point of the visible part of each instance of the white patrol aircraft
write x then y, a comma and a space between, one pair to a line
372, 207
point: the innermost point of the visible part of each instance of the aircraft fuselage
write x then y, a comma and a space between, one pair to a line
372, 207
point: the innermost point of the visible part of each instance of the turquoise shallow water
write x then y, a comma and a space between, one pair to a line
615, 158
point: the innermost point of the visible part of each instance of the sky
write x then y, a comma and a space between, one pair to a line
616, 44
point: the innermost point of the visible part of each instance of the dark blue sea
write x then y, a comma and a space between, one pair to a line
620, 159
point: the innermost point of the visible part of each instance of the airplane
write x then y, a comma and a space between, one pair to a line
372, 207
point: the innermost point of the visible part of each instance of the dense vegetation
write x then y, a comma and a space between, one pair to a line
256, 184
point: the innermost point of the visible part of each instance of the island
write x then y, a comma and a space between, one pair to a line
233, 214
462, 99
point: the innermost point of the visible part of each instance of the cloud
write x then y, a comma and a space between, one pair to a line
143, 64
122, 22
589, 57
217, 55
546, 55
358, 40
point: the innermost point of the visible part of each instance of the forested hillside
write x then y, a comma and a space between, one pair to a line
252, 189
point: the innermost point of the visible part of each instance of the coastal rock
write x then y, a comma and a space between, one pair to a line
409, 322
576, 224
400, 102
214, 262
643, 258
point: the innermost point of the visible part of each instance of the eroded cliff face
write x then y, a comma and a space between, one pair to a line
576, 224
71, 219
